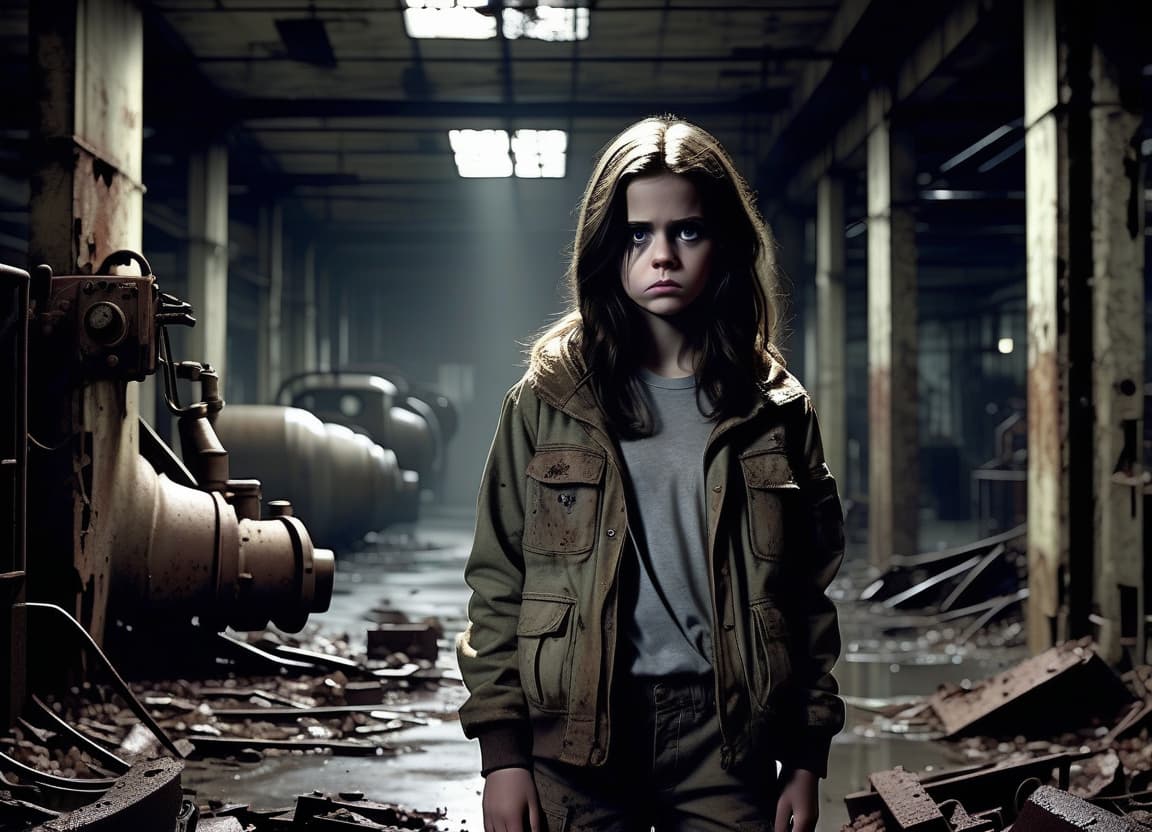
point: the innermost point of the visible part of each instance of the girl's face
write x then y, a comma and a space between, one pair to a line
668, 258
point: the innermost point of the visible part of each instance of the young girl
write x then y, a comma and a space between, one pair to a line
649, 630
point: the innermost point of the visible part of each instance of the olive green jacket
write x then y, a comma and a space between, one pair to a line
539, 654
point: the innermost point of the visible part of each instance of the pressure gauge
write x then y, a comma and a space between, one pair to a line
105, 323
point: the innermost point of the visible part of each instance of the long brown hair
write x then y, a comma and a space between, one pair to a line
736, 315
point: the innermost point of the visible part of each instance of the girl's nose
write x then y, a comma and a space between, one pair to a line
663, 253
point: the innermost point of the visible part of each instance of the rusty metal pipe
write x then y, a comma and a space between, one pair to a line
186, 553
341, 483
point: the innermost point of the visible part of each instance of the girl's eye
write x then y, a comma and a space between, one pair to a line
639, 236
690, 233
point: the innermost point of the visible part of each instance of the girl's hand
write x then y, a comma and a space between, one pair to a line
799, 801
509, 795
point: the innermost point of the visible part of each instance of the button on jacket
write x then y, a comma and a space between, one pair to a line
539, 654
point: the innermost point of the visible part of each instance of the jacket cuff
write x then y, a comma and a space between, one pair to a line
810, 754
507, 745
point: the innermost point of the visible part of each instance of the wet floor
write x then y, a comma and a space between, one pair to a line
435, 767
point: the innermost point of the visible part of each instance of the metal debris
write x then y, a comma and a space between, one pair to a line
417, 641
1053, 810
906, 803
1037, 697
148, 796
978, 789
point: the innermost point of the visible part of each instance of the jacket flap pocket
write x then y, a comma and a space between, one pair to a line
768, 469
543, 616
565, 466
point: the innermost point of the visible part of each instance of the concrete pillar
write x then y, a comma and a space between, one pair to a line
831, 323
1085, 331
310, 317
271, 242
324, 328
343, 328
1085, 300
208, 256
1118, 371
893, 475
86, 202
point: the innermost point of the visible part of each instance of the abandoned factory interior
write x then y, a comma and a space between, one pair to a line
269, 270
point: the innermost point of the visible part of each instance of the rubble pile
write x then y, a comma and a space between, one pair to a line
309, 695
1062, 717
967, 595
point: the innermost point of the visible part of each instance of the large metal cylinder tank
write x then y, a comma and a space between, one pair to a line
415, 437
341, 483
182, 552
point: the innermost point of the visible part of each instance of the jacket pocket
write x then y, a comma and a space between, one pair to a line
563, 501
771, 662
769, 481
544, 645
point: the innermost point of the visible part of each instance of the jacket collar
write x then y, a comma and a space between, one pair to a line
558, 377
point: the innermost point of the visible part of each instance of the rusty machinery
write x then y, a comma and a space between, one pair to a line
350, 456
117, 527
341, 482
414, 422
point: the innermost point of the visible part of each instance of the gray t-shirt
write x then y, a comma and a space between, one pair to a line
671, 627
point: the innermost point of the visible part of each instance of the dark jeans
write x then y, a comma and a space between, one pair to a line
663, 770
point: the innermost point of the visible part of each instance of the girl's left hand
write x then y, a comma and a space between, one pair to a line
799, 801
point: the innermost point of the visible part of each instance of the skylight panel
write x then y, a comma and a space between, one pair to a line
530, 154
540, 153
548, 20
546, 23
481, 153
448, 19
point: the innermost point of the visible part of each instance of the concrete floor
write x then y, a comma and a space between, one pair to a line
437, 767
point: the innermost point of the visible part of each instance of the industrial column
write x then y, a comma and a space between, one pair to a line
893, 452
309, 317
87, 202
208, 255
1085, 330
1118, 371
831, 329
271, 360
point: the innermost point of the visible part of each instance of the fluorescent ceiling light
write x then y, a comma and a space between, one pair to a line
448, 19
551, 20
530, 154
540, 153
481, 153
1006, 345
546, 22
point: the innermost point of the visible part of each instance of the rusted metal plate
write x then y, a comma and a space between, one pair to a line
417, 641
906, 802
1029, 699
219, 825
1053, 810
147, 797
230, 745
364, 693
317, 812
979, 789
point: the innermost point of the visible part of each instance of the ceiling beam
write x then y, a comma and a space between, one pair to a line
737, 56
921, 63
249, 111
